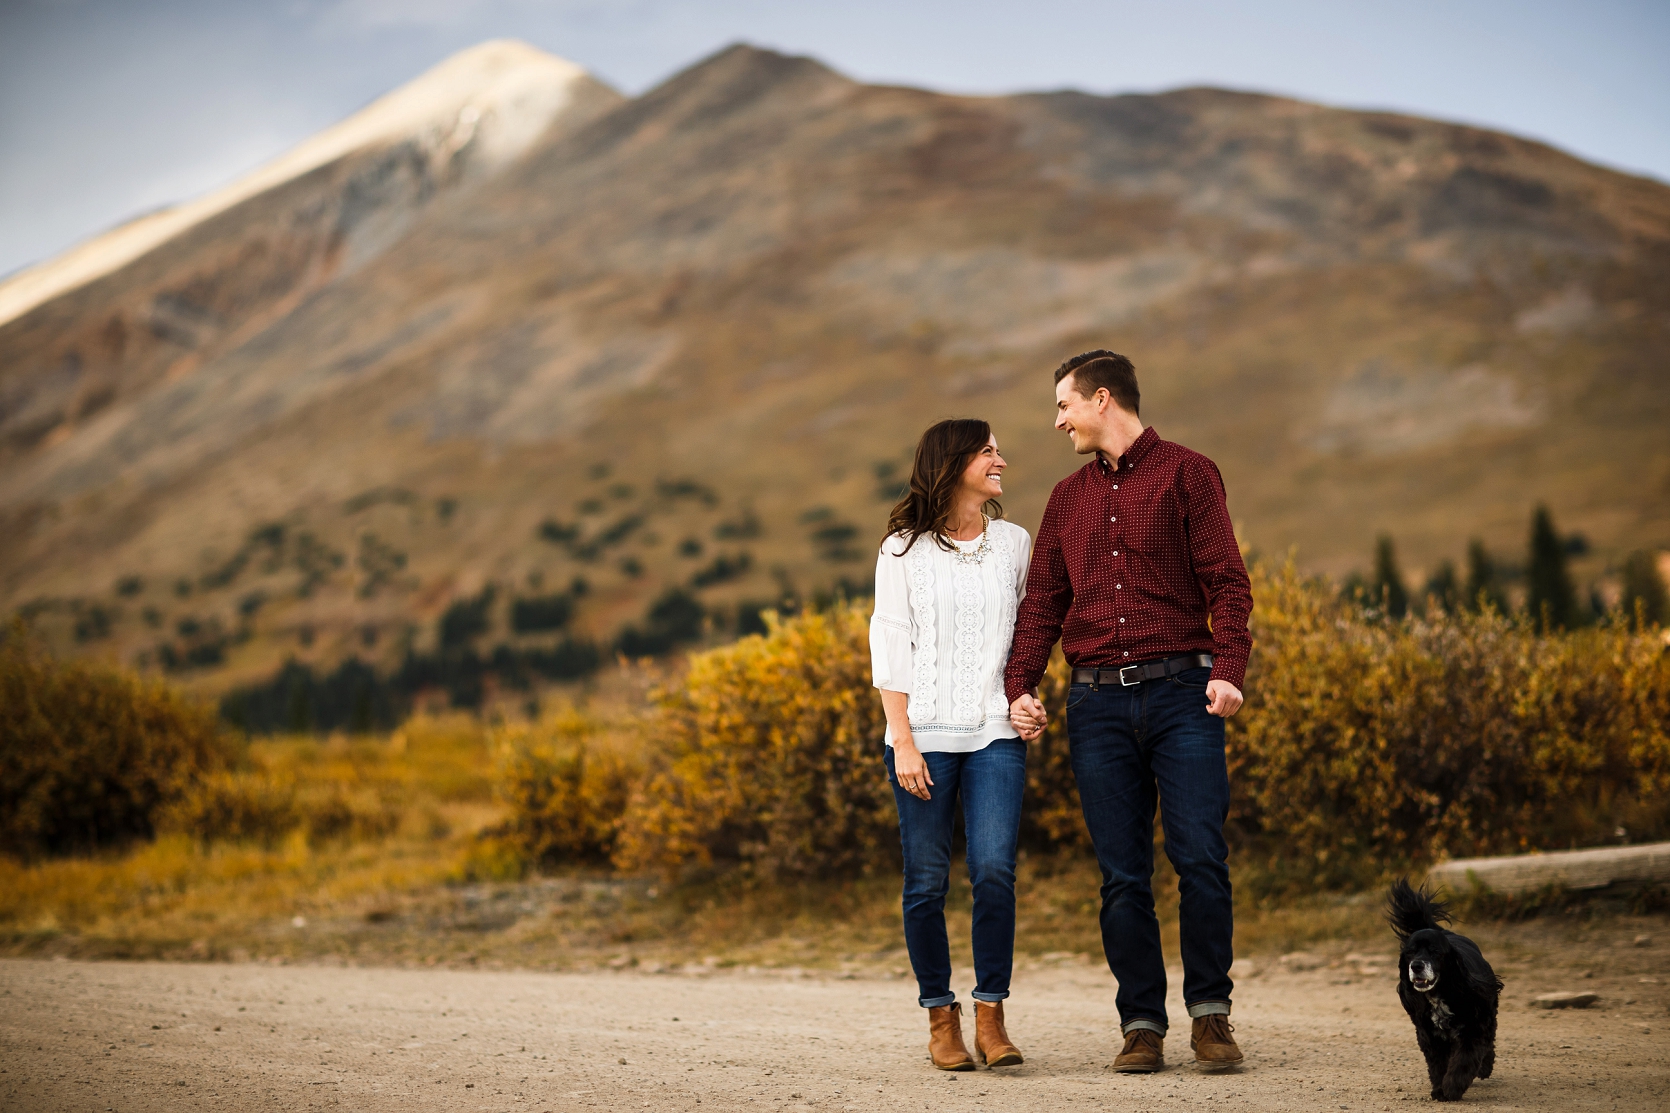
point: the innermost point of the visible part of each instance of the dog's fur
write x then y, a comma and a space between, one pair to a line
1448, 990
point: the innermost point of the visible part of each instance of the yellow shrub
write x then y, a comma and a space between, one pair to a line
770, 757
246, 806
1364, 746
88, 755
565, 793
1051, 817
1397, 743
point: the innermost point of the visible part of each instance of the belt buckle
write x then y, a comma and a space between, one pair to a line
1123, 683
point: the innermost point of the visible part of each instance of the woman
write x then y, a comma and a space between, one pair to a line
949, 577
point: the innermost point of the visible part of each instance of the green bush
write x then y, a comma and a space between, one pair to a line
90, 756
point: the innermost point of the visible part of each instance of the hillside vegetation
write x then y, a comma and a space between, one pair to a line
1367, 747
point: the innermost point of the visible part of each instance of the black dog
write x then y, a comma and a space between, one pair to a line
1448, 990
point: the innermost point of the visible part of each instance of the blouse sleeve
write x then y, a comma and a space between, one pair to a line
891, 629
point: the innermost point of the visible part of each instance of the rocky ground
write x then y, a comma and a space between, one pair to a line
1321, 1031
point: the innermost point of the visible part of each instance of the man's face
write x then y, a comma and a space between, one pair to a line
1081, 418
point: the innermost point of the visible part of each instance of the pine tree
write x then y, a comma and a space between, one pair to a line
1387, 587
1644, 588
1442, 587
1551, 598
1482, 588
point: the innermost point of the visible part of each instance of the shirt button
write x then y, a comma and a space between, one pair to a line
1127, 654
1116, 553
1122, 620
1116, 486
1119, 587
1113, 519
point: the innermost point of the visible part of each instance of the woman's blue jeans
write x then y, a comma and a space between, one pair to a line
989, 783
1130, 747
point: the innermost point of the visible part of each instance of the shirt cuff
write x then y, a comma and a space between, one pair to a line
1233, 669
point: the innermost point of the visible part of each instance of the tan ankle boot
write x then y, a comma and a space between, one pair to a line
991, 1041
945, 1038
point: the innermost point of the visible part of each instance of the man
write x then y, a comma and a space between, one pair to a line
1137, 571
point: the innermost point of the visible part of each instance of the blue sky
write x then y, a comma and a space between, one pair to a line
109, 108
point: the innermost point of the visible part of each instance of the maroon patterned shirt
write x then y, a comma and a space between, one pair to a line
1128, 565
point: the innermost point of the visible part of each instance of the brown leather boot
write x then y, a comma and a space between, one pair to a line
1212, 1043
1144, 1052
945, 1038
991, 1041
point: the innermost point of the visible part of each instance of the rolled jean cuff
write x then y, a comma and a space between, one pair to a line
937, 1002
1208, 1008
1142, 1025
988, 998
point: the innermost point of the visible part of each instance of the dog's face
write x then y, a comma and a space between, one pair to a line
1423, 958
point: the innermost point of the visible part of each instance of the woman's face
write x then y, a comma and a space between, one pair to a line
984, 474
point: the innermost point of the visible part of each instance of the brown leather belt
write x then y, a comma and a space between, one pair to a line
1131, 675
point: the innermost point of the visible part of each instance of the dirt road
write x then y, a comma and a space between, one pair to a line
175, 1037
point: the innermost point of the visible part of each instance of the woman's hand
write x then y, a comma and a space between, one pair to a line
1027, 716
910, 768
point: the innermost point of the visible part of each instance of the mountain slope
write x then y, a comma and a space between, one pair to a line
690, 341
154, 298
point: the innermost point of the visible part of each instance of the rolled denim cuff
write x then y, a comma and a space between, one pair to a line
937, 1002
1208, 1008
1142, 1025
988, 998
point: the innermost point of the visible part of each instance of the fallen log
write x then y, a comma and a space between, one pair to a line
1566, 869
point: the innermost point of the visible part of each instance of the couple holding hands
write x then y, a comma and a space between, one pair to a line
1136, 570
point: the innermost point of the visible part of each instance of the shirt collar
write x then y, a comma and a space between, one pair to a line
1134, 454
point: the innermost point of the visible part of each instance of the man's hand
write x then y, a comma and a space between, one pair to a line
1222, 698
910, 768
1027, 716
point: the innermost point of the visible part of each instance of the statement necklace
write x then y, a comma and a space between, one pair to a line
977, 555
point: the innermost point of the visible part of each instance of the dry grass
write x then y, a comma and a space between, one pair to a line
182, 893
422, 891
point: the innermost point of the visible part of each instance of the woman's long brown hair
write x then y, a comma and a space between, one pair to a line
941, 455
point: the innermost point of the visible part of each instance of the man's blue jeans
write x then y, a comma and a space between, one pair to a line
1130, 747
989, 783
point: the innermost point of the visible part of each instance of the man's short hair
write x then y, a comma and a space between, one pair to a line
1104, 370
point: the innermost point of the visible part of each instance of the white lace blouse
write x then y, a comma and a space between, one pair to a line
941, 633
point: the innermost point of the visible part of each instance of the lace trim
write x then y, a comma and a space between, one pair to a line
900, 624
1003, 548
968, 592
924, 688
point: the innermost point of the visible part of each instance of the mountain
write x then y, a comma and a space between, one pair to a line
688, 340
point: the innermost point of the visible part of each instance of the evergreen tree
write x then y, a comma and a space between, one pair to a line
1482, 588
1387, 588
1442, 587
1644, 588
1550, 598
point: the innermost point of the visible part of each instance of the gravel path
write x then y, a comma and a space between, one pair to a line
176, 1037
